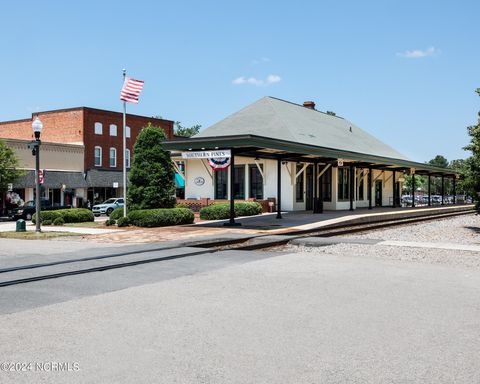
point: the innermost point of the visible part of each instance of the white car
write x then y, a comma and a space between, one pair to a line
107, 207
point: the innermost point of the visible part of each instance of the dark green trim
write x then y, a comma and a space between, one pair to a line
260, 142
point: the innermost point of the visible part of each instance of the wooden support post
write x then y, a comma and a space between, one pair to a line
315, 189
443, 189
279, 188
394, 189
413, 190
232, 197
429, 190
320, 199
351, 180
370, 188
454, 180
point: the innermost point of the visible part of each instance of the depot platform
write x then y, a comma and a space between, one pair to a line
292, 222
305, 221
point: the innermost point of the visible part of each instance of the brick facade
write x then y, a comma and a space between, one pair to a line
77, 125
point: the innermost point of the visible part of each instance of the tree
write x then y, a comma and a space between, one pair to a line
152, 175
8, 166
472, 168
180, 130
439, 161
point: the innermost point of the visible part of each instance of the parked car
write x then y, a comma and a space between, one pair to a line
27, 210
107, 207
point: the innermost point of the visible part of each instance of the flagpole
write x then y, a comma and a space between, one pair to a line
124, 151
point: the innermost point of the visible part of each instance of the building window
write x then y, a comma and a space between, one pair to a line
239, 182
98, 156
327, 185
221, 180
299, 184
113, 157
127, 158
128, 132
343, 184
113, 130
256, 182
98, 128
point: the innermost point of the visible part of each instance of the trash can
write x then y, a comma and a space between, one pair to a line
21, 227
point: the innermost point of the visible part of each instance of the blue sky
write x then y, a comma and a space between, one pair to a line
405, 71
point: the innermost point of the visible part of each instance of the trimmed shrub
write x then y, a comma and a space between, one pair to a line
161, 217
59, 221
182, 205
123, 222
116, 213
47, 222
222, 211
71, 215
110, 222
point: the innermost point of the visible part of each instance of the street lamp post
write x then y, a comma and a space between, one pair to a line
37, 127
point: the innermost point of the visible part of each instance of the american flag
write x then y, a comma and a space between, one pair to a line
131, 89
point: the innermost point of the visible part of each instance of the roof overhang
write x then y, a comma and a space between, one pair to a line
265, 147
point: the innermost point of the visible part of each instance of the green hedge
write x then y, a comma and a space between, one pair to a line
160, 217
71, 215
116, 213
222, 211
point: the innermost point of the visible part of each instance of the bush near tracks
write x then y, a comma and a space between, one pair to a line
222, 211
58, 221
123, 222
160, 217
71, 215
116, 213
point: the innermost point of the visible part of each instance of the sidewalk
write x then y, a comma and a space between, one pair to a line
11, 226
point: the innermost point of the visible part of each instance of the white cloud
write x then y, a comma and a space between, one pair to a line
270, 79
418, 53
260, 60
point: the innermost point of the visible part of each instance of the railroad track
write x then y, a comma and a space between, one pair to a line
76, 266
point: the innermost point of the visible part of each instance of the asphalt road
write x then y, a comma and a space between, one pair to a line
240, 317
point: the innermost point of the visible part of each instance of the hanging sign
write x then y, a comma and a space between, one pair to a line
340, 162
207, 154
219, 163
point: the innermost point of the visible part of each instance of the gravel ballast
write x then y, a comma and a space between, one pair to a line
460, 229
457, 230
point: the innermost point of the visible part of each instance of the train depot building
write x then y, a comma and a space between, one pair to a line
294, 158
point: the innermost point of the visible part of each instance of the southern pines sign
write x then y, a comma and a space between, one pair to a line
207, 154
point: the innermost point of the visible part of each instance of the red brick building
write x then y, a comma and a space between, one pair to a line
100, 132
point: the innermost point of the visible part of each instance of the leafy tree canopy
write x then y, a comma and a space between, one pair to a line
180, 130
8, 166
439, 161
471, 172
151, 177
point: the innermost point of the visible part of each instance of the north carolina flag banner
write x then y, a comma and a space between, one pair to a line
131, 90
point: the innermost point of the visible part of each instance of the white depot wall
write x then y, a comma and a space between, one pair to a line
195, 169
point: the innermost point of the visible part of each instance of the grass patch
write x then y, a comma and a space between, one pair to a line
32, 235
87, 224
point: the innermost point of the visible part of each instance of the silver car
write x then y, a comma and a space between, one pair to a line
107, 207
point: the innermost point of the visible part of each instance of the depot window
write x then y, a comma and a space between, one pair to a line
343, 184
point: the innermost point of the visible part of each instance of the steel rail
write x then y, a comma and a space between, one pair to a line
216, 246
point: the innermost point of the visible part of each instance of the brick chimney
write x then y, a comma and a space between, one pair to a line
309, 104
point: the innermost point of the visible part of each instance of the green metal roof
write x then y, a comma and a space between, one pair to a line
285, 127
282, 120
